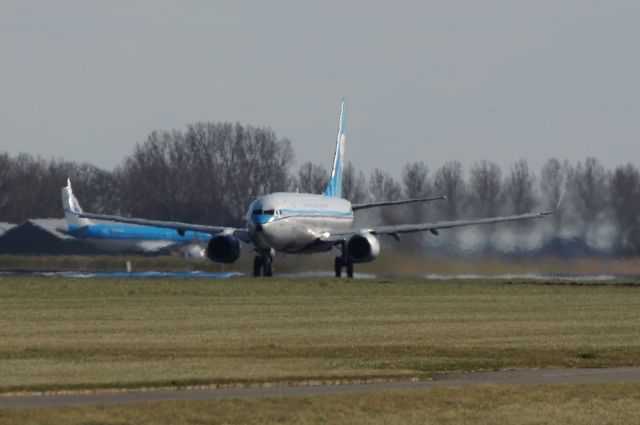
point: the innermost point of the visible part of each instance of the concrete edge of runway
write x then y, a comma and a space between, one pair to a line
513, 377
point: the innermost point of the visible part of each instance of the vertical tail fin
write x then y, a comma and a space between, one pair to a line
334, 188
70, 206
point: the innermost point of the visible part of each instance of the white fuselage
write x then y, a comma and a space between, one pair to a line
294, 222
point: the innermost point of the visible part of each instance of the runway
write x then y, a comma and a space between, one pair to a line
519, 377
530, 277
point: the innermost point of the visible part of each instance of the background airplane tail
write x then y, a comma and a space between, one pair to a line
70, 205
334, 188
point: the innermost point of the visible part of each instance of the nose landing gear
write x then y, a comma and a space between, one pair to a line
263, 265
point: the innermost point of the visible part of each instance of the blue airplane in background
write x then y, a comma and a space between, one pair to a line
128, 237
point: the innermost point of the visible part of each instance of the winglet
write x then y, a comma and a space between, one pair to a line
560, 198
556, 207
334, 188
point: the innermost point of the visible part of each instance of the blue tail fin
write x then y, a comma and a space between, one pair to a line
334, 188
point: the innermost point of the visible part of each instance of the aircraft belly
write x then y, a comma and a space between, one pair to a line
290, 236
128, 244
300, 234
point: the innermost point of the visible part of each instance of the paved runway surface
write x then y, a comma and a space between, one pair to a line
602, 278
522, 377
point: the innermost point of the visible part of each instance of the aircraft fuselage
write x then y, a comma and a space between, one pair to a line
124, 237
293, 222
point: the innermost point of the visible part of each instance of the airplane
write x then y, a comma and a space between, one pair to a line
301, 223
128, 237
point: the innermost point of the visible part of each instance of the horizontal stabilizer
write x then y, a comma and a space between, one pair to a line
390, 203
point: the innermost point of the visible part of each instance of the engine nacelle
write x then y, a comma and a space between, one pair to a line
362, 248
223, 249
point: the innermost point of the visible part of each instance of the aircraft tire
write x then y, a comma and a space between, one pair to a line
268, 267
257, 266
350, 269
338, 266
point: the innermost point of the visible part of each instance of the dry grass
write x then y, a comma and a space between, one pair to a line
63, 333
561, 404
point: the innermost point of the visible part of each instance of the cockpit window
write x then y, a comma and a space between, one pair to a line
268, 212
257, 212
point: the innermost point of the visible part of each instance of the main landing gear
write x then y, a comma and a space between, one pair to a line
343, 261
263, 265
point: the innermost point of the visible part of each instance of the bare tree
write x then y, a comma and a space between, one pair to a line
416, 185
29, 187
209, 174
311, 178
625, 202
519, 187
384, 188
151, 177
354, 185
449, 181
590, 184
484, 184
415, 180
259, 165
5, 170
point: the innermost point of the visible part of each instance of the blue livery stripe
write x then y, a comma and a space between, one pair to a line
128, 232
287, 213
319, 212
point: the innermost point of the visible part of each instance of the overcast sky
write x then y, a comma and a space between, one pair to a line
425, 80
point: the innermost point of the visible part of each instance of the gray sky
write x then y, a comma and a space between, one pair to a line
425, 80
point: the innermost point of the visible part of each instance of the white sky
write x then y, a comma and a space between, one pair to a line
425, 80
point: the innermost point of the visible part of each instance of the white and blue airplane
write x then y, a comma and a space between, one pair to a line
128, 237
299, 223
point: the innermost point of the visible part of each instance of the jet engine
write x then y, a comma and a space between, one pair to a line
223, 249
362, 248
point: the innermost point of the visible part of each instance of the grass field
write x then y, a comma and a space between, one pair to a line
560, 404
81, 334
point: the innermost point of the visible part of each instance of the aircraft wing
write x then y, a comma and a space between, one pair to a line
356, 207
241, 234
396, 230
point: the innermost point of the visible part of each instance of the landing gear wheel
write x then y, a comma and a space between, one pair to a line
257, 266
268, 268
350, 269
338, 266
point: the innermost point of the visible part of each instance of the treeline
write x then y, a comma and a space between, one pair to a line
205, 174
209, 172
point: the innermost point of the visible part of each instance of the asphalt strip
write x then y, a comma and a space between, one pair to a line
518, 377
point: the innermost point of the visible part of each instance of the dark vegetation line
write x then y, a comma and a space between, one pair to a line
208, 172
